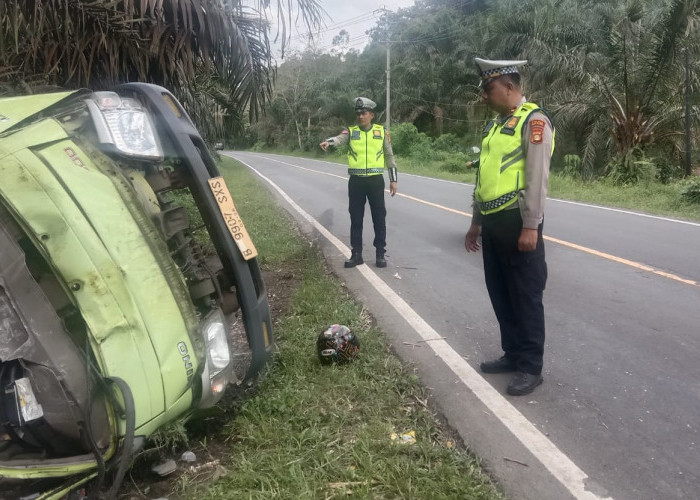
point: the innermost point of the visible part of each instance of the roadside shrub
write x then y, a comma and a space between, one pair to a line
449, 143
310, 142
572, 166
438, 155
402, 137
406, 140
423, 149
667, 170
689, 190
455, 163
259, 146
632, 168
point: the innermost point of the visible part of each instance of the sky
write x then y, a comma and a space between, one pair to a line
355, 17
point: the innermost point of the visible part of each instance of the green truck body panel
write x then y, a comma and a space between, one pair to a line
15, 109
86, 230
90, 217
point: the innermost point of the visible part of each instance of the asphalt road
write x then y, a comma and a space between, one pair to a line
621, 398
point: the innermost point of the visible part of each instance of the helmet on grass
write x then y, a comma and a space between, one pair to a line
337, 344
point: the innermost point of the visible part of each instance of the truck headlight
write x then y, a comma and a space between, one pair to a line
218, 352
125, 124
218, 370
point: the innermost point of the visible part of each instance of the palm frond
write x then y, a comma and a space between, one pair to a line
96, 44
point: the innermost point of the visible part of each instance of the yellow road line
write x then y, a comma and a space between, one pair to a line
603, 255
631, 263
430, 203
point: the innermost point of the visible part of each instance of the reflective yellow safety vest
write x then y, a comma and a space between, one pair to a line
501, 173
366, 151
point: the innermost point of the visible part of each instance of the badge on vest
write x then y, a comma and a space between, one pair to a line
377, 134
509, 127
355, 134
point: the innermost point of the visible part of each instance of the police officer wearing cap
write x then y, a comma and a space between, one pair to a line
369, 152
508, 213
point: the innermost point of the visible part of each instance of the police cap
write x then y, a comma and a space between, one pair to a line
493, 69
364, 104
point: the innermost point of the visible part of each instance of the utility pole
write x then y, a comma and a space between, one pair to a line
388, 83
387, 124
688, 143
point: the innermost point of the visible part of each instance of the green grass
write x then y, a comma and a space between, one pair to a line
652, 198
315, 431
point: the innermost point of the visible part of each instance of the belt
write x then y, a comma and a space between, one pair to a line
493, 204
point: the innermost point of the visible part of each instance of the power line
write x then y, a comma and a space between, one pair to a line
340, 28
351, 42
339, 25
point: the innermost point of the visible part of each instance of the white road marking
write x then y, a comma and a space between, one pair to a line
558, 464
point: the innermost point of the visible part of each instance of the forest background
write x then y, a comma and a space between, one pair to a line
619, 77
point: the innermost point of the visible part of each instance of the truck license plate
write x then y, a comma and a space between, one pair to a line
233, 220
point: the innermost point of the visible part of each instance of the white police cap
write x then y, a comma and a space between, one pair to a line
493, 69
362, 103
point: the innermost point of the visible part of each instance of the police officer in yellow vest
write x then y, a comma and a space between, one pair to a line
508, 214
369, 152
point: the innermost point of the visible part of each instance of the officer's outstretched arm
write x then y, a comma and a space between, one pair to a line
338, 140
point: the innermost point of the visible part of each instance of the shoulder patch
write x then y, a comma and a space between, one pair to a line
387, 135
377, 133
536, 131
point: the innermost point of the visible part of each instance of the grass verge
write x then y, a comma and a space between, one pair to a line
652, 197
314, 431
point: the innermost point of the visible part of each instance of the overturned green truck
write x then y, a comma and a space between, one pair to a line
114, 318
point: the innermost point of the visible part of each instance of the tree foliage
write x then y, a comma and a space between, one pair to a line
611, 72
214, 54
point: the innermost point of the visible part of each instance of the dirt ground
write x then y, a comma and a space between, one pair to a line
211, 461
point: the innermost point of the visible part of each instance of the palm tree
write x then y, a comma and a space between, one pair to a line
610, 70
213, 54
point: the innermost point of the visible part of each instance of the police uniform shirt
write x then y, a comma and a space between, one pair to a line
537, 146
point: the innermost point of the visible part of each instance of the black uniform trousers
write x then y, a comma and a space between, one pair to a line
515, 281
360, 189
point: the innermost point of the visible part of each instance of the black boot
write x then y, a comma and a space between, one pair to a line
381, 261
355, 260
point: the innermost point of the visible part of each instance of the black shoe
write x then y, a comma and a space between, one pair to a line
381, 261
500, 365
355, 260
523, 383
